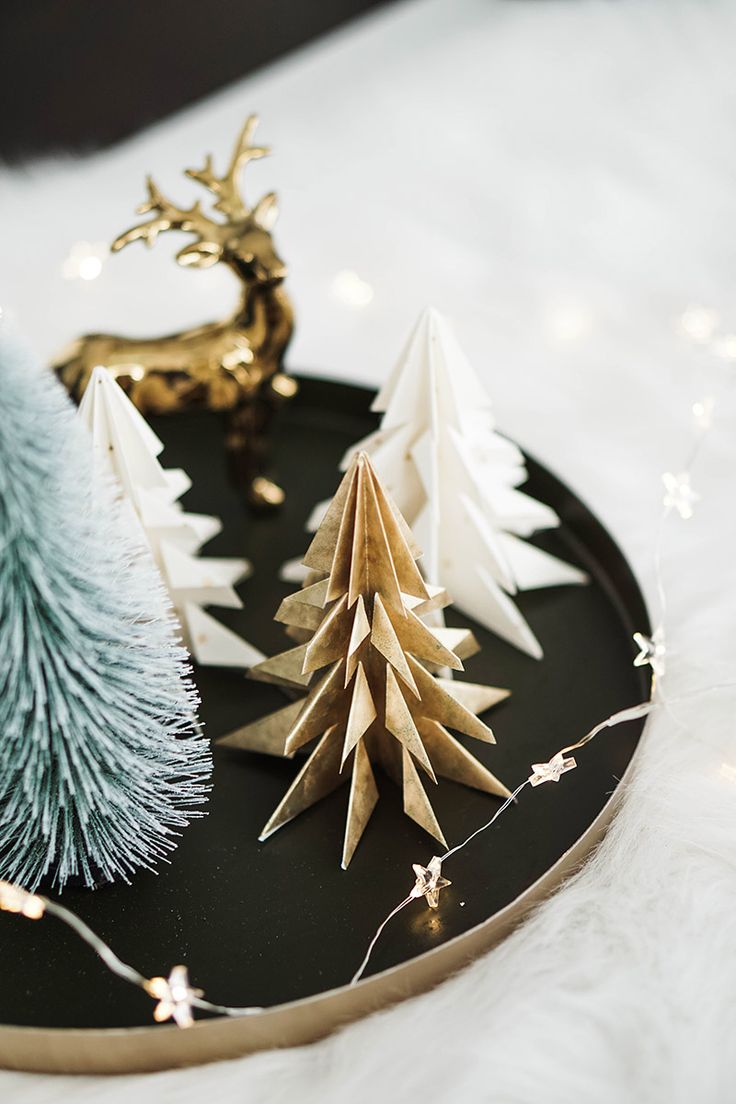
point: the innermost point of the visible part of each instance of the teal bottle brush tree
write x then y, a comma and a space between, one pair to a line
101, 759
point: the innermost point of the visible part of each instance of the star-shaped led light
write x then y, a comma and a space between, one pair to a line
652, 651
15, 899
175, 996
429, 881
551, 771
679, 495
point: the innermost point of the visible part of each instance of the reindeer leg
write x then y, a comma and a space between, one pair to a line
248, 442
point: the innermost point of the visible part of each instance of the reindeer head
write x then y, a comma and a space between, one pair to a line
243, 241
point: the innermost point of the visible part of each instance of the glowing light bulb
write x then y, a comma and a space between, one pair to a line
90, 268
429, 881
551, 771
85, 261
725, 347
175, 997
652, 651
568, 321
703, 412
351, 290
15, 899
698, 322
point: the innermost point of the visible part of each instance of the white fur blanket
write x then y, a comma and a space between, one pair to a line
560, 179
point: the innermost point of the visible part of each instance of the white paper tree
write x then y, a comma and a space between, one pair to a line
123, 439
455, 480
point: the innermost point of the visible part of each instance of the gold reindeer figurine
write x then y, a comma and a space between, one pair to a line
233, 366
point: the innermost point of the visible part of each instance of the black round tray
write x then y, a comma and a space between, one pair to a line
271, 923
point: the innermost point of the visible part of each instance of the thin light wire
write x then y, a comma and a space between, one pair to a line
225, 1009
101, 949
128, 973
414, 897
692, 456
701, 433
379, 931
122, 969
696, 447
509, 801
658, 579
632, 713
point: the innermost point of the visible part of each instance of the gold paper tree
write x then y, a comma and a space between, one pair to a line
366, 661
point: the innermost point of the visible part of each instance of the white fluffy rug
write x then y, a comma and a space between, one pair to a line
560, 178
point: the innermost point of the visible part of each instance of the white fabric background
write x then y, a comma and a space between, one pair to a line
559, 178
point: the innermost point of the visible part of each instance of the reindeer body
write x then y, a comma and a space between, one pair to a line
217, 366
232, 366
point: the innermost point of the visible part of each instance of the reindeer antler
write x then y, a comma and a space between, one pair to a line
169, 218
193, 220
227, 188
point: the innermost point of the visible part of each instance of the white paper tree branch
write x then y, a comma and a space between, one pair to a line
455, 480
125, 442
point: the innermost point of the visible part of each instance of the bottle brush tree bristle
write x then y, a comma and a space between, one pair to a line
102, 762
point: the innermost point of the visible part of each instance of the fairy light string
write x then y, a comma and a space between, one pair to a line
550, 771
701, 325
176, 998
174, 995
